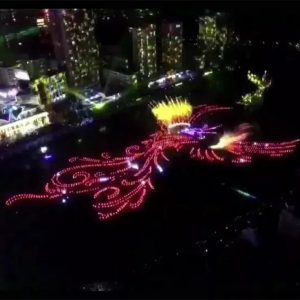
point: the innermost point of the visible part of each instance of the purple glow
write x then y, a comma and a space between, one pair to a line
199, 132
103, 179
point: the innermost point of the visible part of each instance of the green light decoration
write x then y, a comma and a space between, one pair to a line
28, 32
48, 87
96, 107
99, 106
31, 31
255, 98
75, 92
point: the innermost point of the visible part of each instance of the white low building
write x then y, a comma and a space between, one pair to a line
10, 76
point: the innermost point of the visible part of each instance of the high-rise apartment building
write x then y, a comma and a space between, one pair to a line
144, 49
171, 39
75, 45
212, 39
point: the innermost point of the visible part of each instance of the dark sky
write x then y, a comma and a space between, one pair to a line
261, 20
275, 22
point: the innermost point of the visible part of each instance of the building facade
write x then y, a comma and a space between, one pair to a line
171, 37
10, 77
12, 131
75, 45
50, 88
212, 39
144, 49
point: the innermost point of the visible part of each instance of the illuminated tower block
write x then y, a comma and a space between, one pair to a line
144, 44
73, 34
171, 46
212, 39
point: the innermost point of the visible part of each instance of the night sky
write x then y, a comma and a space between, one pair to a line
269, 21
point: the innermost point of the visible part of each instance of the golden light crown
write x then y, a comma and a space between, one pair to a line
172, 111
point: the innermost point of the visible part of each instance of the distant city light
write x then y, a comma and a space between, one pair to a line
43, 149
135, 166
244, 193
160, 169
22, 75
207, 73
103, 179
40, 22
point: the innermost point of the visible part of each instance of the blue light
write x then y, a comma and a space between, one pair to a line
48, 156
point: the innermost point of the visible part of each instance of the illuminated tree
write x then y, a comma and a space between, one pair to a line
252, 100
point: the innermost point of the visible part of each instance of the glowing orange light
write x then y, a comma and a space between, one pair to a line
228, 139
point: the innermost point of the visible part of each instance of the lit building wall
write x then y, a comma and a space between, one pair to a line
172, 46
12, 131
145, 39
212, 39
73, 35
40, 22
50, 88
